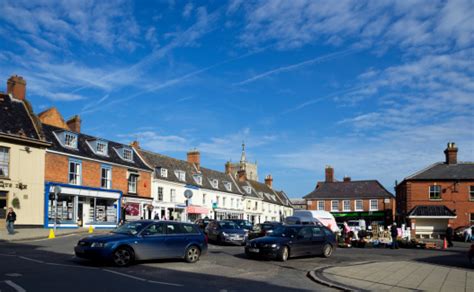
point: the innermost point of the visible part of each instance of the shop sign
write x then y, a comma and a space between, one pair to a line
356, 214
132, 209
6, 184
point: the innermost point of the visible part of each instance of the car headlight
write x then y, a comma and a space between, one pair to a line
98, 244
274, 245
224, 234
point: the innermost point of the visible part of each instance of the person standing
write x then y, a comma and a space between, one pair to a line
449, 235
467, 234
11, 218
394, 234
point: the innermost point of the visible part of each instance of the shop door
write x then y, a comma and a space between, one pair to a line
3, 208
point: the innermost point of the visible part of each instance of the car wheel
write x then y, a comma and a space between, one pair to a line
284, 254
327, 250
192, 254
123, 256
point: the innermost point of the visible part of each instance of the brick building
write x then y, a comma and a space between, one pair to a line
96, 176
437, 195
350, 200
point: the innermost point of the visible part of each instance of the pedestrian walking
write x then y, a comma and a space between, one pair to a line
449, 235
467, 234
394, 233
11, 218
157, 217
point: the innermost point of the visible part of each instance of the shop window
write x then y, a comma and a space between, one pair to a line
106, 177
334, 206
64, 212
435, 192
374, 205
132, 183
471, 193
75, 171
359, 205
4, 161
102, 210
346, 205
160, 194
321, 205
172, 195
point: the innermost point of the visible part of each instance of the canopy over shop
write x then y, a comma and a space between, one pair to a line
78, 206
222, 214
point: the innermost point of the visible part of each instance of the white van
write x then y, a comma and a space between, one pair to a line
357, 225
326, 218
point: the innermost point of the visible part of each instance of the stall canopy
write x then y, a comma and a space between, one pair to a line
197, 210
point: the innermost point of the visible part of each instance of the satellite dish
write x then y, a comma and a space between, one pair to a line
188, 194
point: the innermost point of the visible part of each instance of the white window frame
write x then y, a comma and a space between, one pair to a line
204, 199
133, 183
228, 186
232, 203
344, 205
75, 177
332, 206
164, 172
319, 205
159, 194
361, 204
247, 189
107, 178
218, 201
431, 190
101, 150
127, 150
198, 179
181, 175
223, 202
72, 142
172, 195
215, 183
5, 161
370, 205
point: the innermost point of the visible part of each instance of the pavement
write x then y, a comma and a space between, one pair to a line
37, 233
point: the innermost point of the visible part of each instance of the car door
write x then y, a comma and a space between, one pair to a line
213, 231
150, 243
318, 240
303, 242
175, 240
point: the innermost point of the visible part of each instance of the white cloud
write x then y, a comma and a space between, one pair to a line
188, 9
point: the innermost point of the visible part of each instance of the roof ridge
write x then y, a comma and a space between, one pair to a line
423, 170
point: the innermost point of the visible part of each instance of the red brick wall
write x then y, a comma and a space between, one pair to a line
456, 198
57, 169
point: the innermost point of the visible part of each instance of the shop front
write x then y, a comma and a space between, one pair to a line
381, 217
224, 214
197, 212
78, 206
136, 208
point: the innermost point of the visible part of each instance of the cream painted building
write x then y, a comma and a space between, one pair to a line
22, 154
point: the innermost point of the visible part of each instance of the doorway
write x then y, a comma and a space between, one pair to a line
3, 208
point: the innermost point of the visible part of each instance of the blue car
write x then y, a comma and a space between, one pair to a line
293, 240
145, 240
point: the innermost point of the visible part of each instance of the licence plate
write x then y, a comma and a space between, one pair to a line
236, 238
254, 250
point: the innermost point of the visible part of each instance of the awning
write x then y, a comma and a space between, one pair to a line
86, 192
197, 210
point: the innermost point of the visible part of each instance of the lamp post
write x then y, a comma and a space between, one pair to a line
57, 191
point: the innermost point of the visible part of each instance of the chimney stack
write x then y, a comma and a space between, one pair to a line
16, 86
74, 124
242, 175
347, 178
269, 180
329, 174
451, 153
135, 144
228, 167
194, 157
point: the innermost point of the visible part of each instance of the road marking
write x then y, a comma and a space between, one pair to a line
71, 266
33, 260
17, 287
13, 275
124, 275
165, 283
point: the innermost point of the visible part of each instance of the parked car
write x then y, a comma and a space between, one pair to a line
145, 240
295, 220
202, 223
357, 225
324, 217
293, 240
225, 232
243, 224
260, 230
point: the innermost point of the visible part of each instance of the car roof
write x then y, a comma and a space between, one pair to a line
162, 221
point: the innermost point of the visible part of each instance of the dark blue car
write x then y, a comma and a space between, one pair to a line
293, 240
145, 240
225, 232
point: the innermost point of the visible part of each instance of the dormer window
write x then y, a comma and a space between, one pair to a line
247, 189
228, 186
70, 140
127, 154
101, 147
198, 179
215, 183
163, 172
181, 175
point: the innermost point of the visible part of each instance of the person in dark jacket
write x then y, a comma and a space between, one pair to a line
394, 234
11, 218
449, 235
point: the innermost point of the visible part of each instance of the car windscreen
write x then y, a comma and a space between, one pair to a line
228, 225
268, 226
130, 228
283, 231
243, 224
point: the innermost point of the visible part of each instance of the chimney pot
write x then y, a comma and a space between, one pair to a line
451, 153
74, 124
242, 175
228, 168
347, 179
329, 174
269, 180
194, 157
16, 86
135, 144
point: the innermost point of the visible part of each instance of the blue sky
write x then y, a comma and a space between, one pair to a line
374, 88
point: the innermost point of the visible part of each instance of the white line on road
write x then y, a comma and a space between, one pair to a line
17, 287
165, 283
33, 260
124, 275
